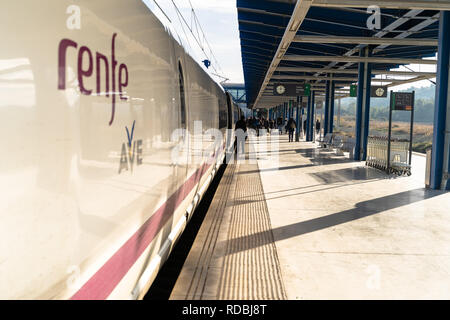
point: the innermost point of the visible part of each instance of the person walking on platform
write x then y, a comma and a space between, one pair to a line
317, 126
240, 136
291, 125
280, 125
304, 127
256, 126
266, 125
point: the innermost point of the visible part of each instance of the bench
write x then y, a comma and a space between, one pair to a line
348, 145
326, 141
337, 144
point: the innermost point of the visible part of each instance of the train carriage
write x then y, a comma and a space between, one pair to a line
91, 113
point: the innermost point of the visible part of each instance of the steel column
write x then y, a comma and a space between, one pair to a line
331, 115
308, 116
313, 115
440, 141
361, 105
366, 106
310, 119
327, 108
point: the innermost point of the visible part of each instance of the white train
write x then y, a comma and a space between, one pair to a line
91, 201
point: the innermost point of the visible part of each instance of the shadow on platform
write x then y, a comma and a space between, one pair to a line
362, 210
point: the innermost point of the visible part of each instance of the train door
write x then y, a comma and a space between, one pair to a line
230, 133
183, 112
230, 111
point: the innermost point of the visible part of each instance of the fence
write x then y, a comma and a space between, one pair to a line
377, 155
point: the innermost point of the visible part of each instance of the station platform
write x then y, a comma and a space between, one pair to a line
319, 226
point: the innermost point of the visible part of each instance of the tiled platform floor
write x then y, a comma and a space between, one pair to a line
313, 225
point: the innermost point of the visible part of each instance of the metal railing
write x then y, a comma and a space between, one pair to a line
377, 155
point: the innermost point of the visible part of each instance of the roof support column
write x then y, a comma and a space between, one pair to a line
331, 115
310, 118
366, 106
290, 109
298, 118
327, 108
440, 165
363, 107
313, 115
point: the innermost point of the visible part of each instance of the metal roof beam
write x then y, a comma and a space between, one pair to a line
281, 77
265, 12
313, 86
300, 11
358, 59
412, 30
366, 40
391, 27
355, 71
388, 4
400, 82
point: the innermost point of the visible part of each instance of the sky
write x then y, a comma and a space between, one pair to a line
218, 20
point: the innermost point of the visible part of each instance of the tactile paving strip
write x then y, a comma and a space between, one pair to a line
200, 277
251, 269
234, 255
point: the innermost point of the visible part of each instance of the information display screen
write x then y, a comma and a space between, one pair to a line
402, 101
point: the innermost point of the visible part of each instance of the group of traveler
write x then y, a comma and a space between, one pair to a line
256, 124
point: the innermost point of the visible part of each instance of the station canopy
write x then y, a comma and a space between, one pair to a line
314, 41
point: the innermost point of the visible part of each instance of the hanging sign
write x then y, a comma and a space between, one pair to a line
290, 90
378, 92
307, 90
353, 90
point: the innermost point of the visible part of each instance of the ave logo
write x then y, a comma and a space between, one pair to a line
131, 152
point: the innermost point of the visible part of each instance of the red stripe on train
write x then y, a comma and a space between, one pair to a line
103, 282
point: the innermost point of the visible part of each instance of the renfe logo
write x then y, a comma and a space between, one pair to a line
86, 53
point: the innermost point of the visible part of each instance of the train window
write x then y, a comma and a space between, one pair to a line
230, 115
182, 96
223, 114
